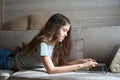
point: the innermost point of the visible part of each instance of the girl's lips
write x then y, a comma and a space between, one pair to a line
63, 37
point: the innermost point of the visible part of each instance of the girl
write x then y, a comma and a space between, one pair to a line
50, 49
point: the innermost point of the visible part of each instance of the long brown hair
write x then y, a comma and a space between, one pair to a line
49, 34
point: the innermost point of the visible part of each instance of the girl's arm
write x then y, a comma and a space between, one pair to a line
53, 69
78, 61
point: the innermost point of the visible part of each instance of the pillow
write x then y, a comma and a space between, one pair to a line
115, 65
11, 39
77, 50
17, 24
37, 21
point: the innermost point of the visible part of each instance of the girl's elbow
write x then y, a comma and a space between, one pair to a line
50, 72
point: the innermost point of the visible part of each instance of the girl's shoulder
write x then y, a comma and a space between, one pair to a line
45, 43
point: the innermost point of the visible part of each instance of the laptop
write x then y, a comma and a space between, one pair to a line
102, 67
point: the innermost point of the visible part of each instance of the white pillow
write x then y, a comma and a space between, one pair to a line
77, 49
115, 65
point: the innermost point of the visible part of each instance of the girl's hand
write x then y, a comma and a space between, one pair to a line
81, 61
89, 64
88, 59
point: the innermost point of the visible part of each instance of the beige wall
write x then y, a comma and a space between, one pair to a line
82, 13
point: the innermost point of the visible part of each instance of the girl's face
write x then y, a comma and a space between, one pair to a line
63, 32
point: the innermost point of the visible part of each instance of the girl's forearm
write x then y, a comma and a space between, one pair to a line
67, 68
78, 61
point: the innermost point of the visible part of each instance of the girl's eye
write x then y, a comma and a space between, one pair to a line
64, 30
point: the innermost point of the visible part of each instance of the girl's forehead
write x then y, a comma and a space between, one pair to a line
66, 26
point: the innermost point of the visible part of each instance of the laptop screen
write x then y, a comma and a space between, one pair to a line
112, 55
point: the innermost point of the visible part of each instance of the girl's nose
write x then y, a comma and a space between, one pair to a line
66, 34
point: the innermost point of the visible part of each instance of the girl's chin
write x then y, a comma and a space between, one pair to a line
60, 40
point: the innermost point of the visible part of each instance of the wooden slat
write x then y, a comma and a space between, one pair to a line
85, 13
1, 13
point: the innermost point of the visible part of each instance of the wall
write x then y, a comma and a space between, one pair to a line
82, 13
1, 12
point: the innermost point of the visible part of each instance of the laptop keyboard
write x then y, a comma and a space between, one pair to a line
97, 68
